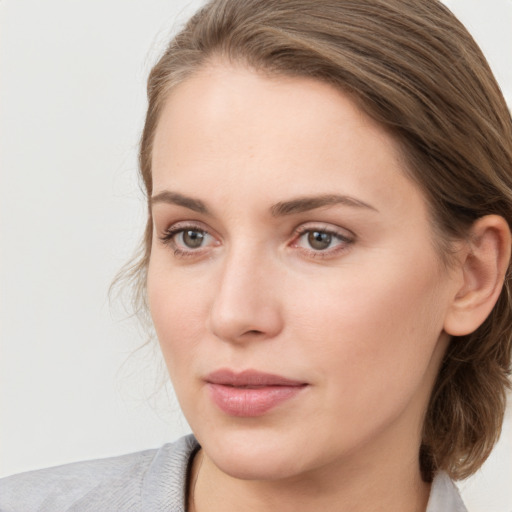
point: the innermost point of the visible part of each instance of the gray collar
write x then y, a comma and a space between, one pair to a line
444, 495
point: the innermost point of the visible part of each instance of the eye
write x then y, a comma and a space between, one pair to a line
322, 242
318, 240
187, 240
191, 238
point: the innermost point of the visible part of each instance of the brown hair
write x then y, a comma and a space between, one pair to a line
413, 67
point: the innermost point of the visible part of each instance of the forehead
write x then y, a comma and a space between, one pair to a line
250, 106
262, 136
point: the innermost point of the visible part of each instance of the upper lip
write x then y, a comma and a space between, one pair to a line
246, 378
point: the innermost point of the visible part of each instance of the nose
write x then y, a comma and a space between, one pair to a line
246, 305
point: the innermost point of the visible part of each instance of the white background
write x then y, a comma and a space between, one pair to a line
72, 82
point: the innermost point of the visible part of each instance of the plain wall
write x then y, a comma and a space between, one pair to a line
72, 85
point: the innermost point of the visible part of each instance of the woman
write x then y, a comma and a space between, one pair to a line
325, 262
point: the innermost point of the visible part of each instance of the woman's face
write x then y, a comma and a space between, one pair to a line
293, 280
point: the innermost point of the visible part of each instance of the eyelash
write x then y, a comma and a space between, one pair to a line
168, 238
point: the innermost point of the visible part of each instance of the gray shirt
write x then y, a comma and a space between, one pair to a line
148, 481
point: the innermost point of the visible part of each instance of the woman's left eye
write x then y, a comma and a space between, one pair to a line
321, 240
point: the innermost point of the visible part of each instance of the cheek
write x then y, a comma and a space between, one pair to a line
178, 314
374, 338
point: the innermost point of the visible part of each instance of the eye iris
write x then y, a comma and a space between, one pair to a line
193, 238
319, 240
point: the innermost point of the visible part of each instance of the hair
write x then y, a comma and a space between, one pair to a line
413, 67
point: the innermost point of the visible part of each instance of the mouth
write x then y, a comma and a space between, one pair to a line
250, 393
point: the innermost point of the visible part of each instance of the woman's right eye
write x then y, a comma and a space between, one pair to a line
187, 240
191, 238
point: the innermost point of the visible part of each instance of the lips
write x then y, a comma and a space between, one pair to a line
250, 393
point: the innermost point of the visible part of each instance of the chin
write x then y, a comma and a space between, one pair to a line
261, 466
253, 455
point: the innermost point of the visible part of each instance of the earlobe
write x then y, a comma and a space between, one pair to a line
484, 265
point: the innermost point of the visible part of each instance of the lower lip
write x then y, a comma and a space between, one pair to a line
250, 402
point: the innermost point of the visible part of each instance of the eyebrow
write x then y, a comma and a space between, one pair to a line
304, 204
174, 198
281, 209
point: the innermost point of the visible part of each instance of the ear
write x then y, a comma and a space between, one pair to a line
484, 263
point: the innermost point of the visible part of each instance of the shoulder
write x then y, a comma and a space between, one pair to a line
133, 482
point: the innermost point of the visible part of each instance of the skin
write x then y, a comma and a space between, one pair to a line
362, 322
